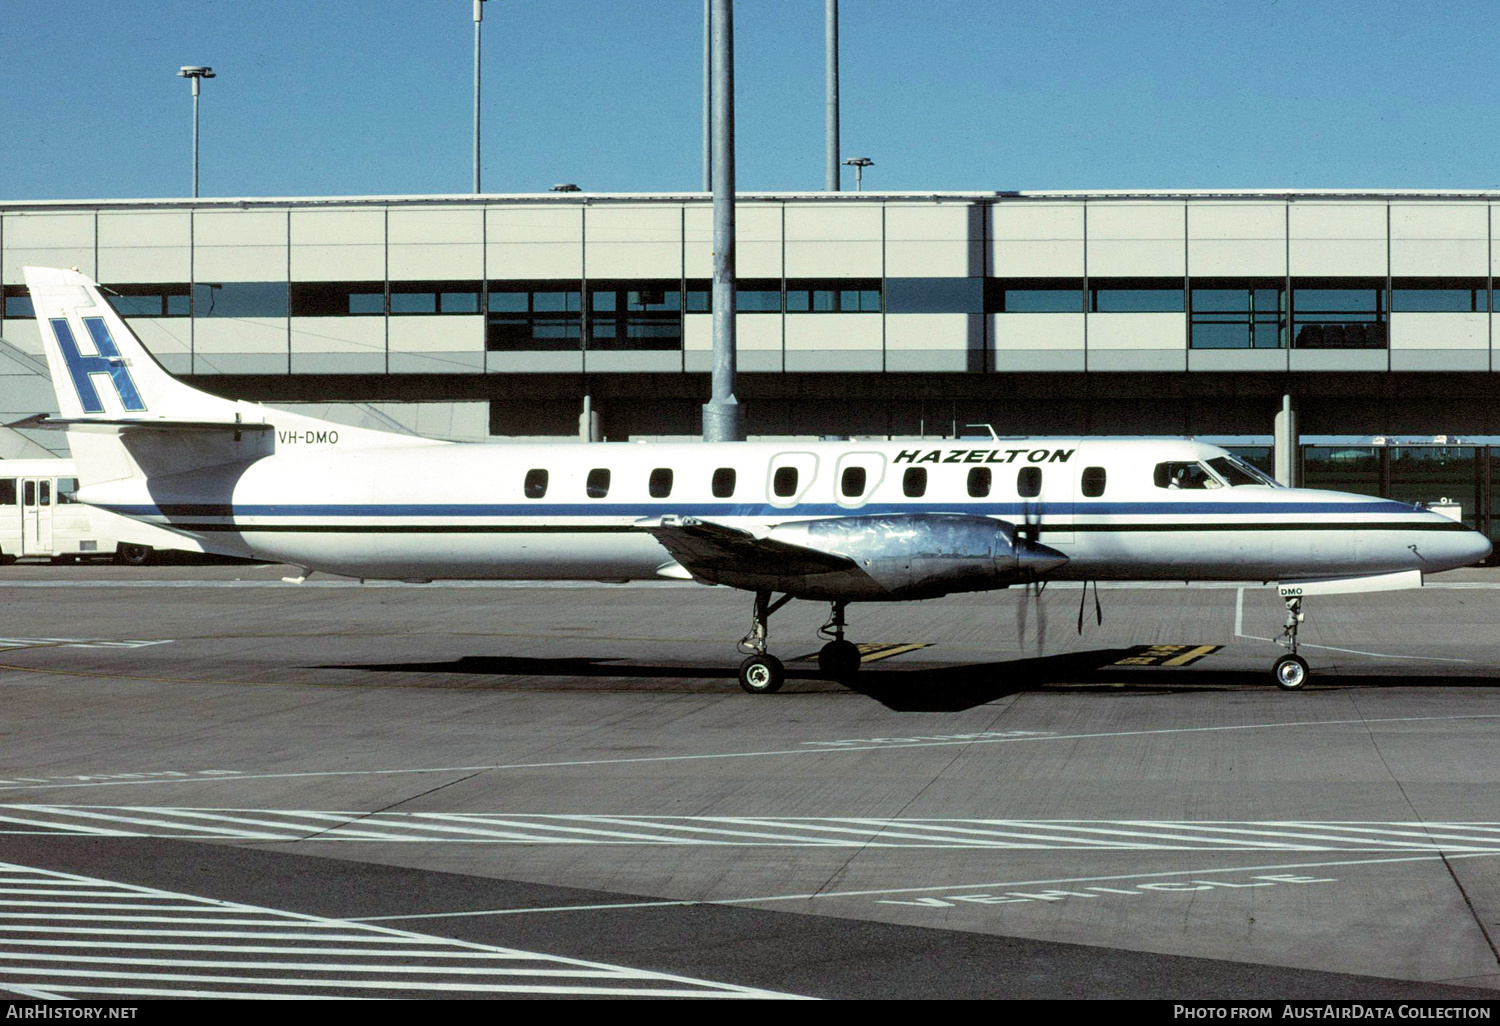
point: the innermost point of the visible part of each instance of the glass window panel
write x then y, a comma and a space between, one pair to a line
509, 302
29, 497
557, 302
914, 482
536, 484
1342, 468
67, 490
660, 484
1431, 473
1436, 300
603, 302
979, 482
852, 483
1220, 336
758, 301
1224, 300
241, 299
137, 306
1137, 300
824, 300
7, 491
19, 306
723, 483
459, 303
1093, 482
413, 302
364, 303
179, 305
934, 295
784, 482
1043, 301
1029, 482
798, 300
597, 484
46, 493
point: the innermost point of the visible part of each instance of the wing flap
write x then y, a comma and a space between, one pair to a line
710, 550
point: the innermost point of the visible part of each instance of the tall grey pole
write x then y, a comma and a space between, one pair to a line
708, 96
721, 414
831, 62
196, 73
478, 17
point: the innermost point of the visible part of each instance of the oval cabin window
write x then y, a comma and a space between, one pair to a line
914, 482
1029, 482
597, 485
1093, 482
660, 484
536, 484
979, 482
723, 483
784, 484
852, 483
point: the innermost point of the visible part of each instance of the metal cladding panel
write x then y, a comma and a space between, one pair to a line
145, 246
934, 331
163, 336
633, 242
829, 331
1137, 331
1339, 360
1337, 239
1136, 239
934, 360
338, 363
1267, 360
435, 242
933, 241
1440, 360
1236, 239
338, 245
834, 259
1136, 359
534, 363
247, 245
1037, 331
47, 240
839, 360
534, 242
240, 363
1439, 239
435, 363
339, 335
834, 240
24, 334
1440, 331
1036, 240
436, 334
1036, 360
757, 240
644, 361
239, 335
752, 332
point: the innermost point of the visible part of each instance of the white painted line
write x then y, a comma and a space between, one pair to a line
1239, 632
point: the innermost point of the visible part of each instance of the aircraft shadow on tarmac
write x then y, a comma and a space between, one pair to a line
949, 688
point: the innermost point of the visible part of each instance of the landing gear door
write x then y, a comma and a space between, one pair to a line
36, 517
790, 478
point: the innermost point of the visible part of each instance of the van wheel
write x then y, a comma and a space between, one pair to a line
133, 555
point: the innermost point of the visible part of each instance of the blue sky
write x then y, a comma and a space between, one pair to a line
373, 97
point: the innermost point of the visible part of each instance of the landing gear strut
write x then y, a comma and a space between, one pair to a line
1291, 671
839, 659
762, 673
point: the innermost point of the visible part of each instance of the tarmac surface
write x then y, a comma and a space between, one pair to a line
215, 782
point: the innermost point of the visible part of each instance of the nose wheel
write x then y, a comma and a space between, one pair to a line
1291, 671
762, 674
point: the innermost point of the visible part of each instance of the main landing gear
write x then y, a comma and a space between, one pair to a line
763, 674
1291, 671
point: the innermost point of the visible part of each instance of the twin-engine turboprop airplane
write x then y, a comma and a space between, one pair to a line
838, 522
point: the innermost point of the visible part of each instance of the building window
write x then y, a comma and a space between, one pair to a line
1135, 295
1029, 482
1439, 295
635, 315
914, 482
660, 483
15, 301
597, 483
934, 295
337, 298
723, 483
534, 315
1338, 313
1246, 313
751, 295
1033, 295
833, 295
434, 297
175, 300
240, 299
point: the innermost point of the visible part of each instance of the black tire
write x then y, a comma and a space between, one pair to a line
762, 675
1291, 672
839, 660
133, 555
6, 559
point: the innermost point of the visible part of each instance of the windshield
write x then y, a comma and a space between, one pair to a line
1237, 472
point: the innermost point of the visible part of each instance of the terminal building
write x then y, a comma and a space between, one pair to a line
896, 315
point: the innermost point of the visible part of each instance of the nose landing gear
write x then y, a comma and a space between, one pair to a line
1291, 670
762, 673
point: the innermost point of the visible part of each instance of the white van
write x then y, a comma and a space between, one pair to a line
39, 517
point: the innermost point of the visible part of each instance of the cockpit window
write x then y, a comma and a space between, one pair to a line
1184, 475
1238, 473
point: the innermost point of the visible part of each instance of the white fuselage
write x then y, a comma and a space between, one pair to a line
463, 510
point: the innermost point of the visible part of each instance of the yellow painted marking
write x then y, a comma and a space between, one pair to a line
1188, 657
870, 653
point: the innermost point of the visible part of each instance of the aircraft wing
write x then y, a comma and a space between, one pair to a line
709, 551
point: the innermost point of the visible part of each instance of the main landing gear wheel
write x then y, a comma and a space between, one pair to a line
839, 660
762, 674
133, 555
1291, 672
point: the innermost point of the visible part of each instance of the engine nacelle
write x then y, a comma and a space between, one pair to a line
910, 556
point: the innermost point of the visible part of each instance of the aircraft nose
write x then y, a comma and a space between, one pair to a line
1479, 547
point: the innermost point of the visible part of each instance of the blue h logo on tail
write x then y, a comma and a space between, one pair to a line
82, 368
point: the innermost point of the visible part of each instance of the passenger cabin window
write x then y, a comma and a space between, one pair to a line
1093, 482
536, 484
7, 491
979, 482
1184, 475
914, 482
852, 483
597, 484
1029, 482
660, 484
723, 483
784, 483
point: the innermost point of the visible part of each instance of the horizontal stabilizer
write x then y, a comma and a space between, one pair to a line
1350, 585
47, 422
707, 550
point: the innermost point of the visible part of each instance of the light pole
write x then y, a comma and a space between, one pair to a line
859, 164
478, 17
195, 73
